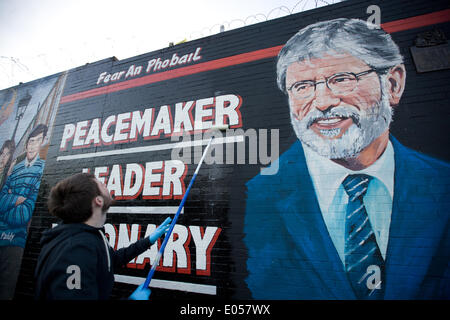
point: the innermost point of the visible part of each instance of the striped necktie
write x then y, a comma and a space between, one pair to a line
363, 261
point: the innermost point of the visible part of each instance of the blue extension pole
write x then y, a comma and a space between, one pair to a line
174, 221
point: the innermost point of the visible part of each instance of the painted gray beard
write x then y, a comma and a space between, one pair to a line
367, 126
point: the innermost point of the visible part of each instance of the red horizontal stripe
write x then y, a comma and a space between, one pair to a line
417, 22
390, 27
176, 73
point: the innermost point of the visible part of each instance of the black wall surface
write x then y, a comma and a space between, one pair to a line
217, 199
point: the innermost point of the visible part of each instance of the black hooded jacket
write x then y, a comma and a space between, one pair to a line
76, 262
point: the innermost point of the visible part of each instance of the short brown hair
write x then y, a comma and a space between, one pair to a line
40, 128
71, 198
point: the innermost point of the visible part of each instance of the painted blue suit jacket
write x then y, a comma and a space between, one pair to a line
291, 255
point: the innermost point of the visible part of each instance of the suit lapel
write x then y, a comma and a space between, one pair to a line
303, 219
412, 230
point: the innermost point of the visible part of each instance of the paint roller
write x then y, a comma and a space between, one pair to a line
155, 263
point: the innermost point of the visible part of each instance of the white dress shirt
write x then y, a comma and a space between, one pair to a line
327, 177
30, 163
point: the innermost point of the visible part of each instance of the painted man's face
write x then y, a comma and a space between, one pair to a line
334, 124
34, 146
4, 157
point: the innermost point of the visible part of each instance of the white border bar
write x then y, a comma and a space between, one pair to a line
170, 285
145, 210
158, 147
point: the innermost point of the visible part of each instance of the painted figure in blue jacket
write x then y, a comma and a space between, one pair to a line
17, 201
351, 213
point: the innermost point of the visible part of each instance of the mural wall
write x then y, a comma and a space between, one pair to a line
332, 181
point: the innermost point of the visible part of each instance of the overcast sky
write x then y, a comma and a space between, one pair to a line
43, 37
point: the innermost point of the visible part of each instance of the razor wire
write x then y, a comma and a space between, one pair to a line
16, 70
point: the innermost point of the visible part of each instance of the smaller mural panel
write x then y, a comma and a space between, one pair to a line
26, 119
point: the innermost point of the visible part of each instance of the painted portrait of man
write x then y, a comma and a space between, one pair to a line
351, 213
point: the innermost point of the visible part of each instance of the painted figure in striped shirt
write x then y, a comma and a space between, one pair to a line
17, 200
19, 193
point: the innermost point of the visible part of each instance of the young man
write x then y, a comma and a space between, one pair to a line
17, 198
76, 261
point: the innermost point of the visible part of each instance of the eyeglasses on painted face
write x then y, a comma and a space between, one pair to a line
339, 83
